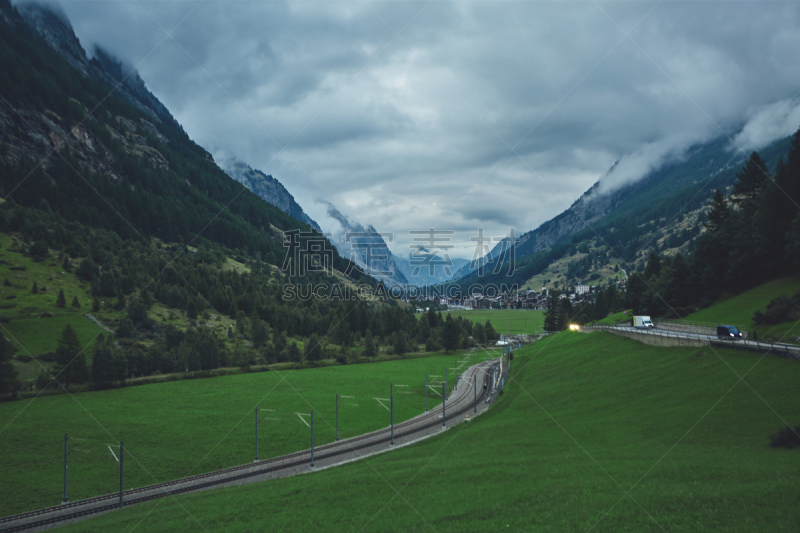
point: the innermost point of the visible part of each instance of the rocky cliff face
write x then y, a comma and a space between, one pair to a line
54, 27
268, 188
366, 248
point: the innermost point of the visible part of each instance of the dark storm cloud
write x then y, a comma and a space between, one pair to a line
414, 131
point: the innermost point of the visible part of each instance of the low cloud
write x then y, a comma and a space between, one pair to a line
477, 114
767, 124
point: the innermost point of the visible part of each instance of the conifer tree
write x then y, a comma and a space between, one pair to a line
70, 360
8, 375
35, 288
450, 334
293, 353
400, 343
719, 213
751, 179
75, 303
369, 345
313, 348
61, 301
653, 268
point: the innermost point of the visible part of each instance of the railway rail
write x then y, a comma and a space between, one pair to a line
456, 406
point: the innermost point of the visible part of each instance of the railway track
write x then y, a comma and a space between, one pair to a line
460, 402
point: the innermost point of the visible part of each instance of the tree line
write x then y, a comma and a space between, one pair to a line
752, 235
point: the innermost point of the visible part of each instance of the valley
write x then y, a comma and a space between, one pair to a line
219, 239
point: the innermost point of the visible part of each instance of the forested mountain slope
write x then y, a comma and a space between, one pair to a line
663, 211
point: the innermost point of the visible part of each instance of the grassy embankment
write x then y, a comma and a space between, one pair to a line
739, 310
179, 428
584, 419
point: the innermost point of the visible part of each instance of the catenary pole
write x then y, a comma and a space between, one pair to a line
391, 411
121, 457
66, 463
256, 459
312, 439
444, 417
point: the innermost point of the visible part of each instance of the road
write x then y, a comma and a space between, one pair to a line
758, 345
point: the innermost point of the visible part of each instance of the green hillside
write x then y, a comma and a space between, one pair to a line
584, 419
739, 309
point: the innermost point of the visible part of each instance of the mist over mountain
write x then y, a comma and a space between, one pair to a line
366, 247
663, 210
53, 26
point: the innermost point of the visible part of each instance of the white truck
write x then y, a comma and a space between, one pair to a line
642, 322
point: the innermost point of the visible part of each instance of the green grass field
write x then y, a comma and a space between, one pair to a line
509, 321
739, 309
584, 419
617, 317
185, 427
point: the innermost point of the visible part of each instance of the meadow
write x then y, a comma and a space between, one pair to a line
32, 322
593, 433
192, 426
739, 309
508, 321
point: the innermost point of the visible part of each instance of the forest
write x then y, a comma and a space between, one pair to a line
752, 236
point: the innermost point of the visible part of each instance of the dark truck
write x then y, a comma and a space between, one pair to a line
731, 333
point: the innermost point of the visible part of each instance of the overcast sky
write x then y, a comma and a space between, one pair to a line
457, 115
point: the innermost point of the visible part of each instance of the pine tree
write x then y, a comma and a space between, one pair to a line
450, 334
369, 345
259, 333
61, 301
65, 263
719, 213
75, 303
313, 348
793, 244
479, 334
491, 334
292, 352
400, 343
70, 360
653, 268
95, 304
103, 371
8, 375
551, 322
35, 288
751, 179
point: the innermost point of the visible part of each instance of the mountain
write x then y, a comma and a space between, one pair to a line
54, 27
87, 140
417, 267
365, 247
267, 188
663, 211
